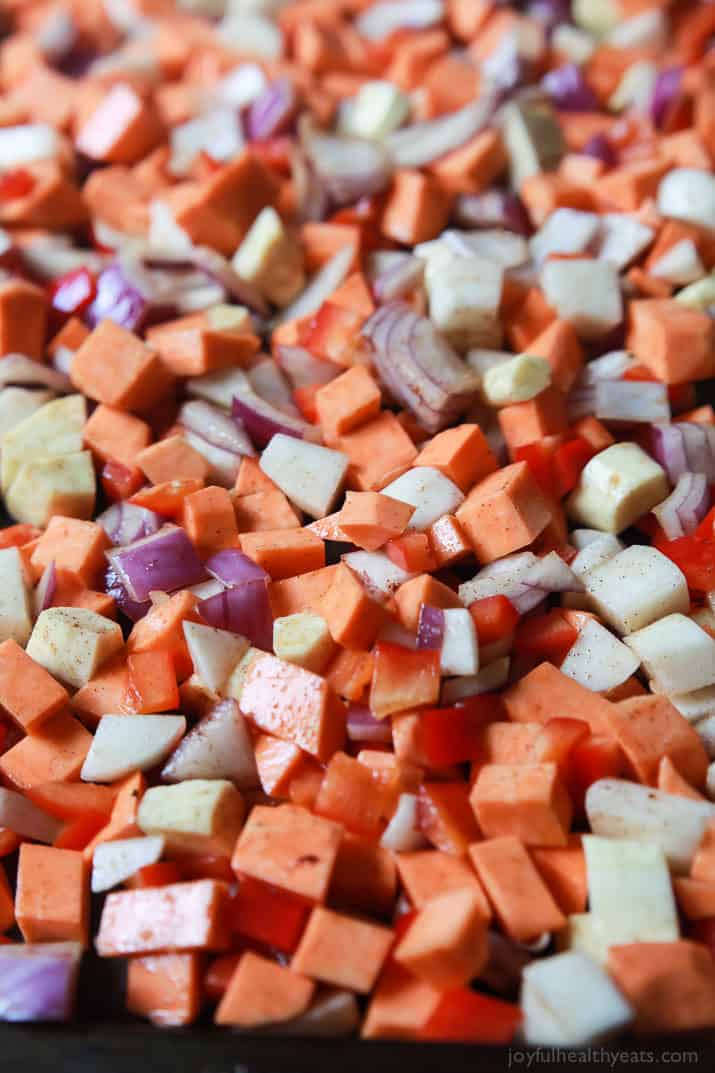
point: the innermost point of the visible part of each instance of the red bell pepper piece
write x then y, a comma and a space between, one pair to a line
156, 875
545, 637
403, 679
17, 183
495, 617
17, 535
696, 558
73, 293
77, 834
468, 1017
332, 331
453, 735
120, 481
539, 458
590, 760
271, 916
568, 462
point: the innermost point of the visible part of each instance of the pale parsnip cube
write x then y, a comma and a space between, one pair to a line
629, 890
48, 486
598, 17
706, 733
647, 29
304, 639
616, 487
585, 932
622, 238
490, 678
635, 88
586, 293
271, 259
688, 194
518, 380
568, 1000
598, 660
72, 643
698, 295
225, 317
195, 816
17, 404
429, 492
217, 131
53, 430
565, 231
15, 618
577, 45
378, 108
311, 476
126, 743
696, 705
253, 34
234, 685
680, 264
635, 587
464, 296
241, 86
676, 653
533, 139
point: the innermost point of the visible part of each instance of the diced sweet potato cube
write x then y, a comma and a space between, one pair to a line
446, 943
262, 993
528, 801
180, 916
52, 899
342, 951
504, 512
522, 901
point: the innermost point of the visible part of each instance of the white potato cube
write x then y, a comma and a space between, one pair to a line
18, 403
464, 296
565, 231
598, 660
623, 238
225, 317
688, 194
311, 476
586, 293
630, 891
271, 259
218, 747
596, 552
403, 833
195, 816
304, 639
577, 45
680, 264
698, 295
72, 643
490, 678
115, 862
214, 653
27, 143
55, 429
616, 487
696, 705
429, 492
377, 572
126, 743
217, 131
585, 932
518, 380
253, 34
598, 17
617, 808
241, 86
48, 486
636, 587
15, 618
706, 733
677, 654
635, 88
378, 108
460, 645
568, 1000
649, 28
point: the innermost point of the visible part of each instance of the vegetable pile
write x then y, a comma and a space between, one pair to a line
357, 610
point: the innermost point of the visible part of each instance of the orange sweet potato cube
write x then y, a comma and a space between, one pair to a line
527, 422
559, 345
262, 993
210, 520
165, 988
446, 943
546, 693
472, 167
423, 589
649, 727
461, 453
417, 208
28, 694
180, 916
172, 459
72, 545
676, 343
52, 898
504, 512
284, 553
528, 801
369, 519
428, 873
115, 367
54, 752
400, 1006
379, 452
342, 951
289, 848
671, 986
23, 315
346, 402
113, 434
264, 511
353, 617
294, 704
522, 901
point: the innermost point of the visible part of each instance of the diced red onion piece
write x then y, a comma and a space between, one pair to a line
231, 567
363, 726
216, 267
215, 426
311, 197
430, 628
272, 112
124, 523
551, 13
122, 297
17, 370
46, 588
685, 447
418, 367
422, 143
667, 87
303, 369
568, 89
680, 514
115, 587
267, 380
400, 279
348, 168
494, 208
166, 561
38, 981
245, 609
262, 421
